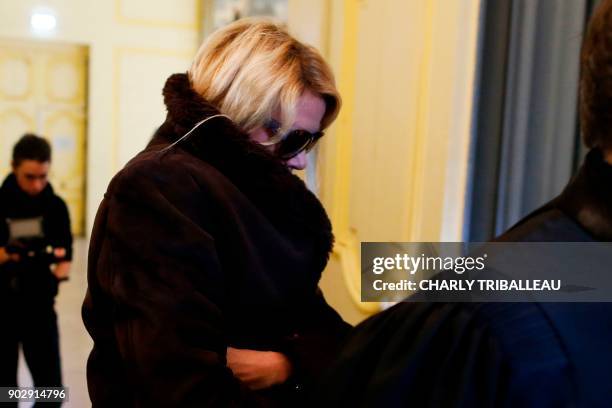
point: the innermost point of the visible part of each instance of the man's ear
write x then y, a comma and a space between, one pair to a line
13, 165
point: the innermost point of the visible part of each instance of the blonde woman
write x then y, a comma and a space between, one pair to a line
207, 251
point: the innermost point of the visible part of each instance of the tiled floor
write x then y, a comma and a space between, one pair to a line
74, 340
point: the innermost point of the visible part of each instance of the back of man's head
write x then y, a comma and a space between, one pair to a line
596, 79
31, 147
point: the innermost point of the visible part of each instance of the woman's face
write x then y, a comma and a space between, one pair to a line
309, 112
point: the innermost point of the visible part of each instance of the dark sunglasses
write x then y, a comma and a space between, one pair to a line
292, 143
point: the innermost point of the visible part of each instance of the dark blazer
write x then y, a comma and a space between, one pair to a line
198, 246
492, 354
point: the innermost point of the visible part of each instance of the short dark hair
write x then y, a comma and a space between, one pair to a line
31, 147
596, 79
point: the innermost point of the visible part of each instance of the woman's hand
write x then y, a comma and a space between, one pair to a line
258, 369
62, 270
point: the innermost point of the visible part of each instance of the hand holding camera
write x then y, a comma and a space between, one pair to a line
35, 250
27, 243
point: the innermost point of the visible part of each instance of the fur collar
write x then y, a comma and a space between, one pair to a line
260, 176
588, 197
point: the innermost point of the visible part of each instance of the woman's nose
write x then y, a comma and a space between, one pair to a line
298, 162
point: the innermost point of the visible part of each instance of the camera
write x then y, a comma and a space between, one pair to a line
27, 239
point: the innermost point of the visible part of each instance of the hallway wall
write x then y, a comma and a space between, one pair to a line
395, 168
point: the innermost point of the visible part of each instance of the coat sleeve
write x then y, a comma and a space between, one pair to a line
159, 268
316, 342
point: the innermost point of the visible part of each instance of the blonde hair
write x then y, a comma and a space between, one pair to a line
254, 67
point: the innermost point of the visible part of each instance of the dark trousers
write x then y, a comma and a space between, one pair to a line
34, 327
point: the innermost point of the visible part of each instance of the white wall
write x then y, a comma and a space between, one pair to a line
395, 168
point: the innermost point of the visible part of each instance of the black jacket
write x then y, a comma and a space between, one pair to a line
196, 247
32, 278
492, 354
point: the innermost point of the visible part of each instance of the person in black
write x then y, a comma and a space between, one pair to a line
207, 251
35, 254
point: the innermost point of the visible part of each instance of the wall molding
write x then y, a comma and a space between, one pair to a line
195, 24
7, 56
76, 61
437, 142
